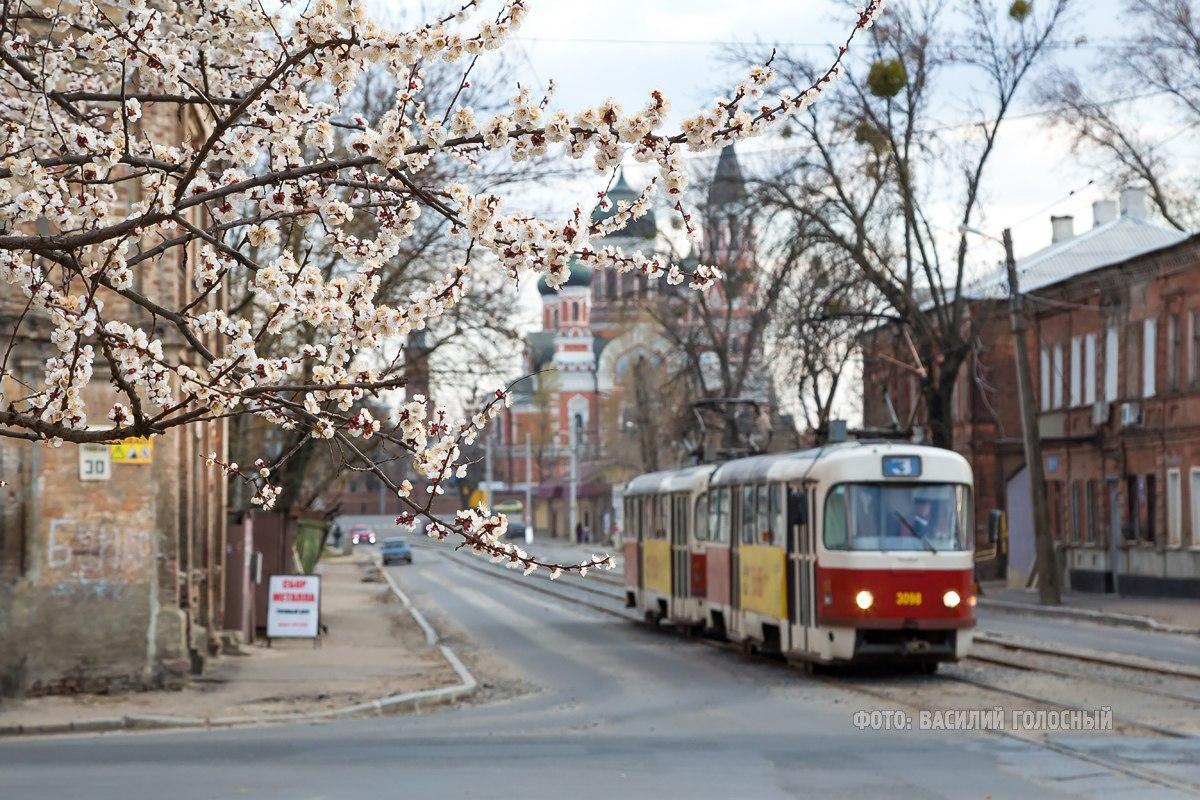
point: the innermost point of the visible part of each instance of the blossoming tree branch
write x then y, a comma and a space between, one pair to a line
119, 236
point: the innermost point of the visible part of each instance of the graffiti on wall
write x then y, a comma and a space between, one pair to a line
101, 558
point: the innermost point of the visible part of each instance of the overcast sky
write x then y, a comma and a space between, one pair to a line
626, 48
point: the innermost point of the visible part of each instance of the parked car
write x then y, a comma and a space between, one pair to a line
362, 534
396, 550
516, 530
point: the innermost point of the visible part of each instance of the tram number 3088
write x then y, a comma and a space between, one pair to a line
908, 598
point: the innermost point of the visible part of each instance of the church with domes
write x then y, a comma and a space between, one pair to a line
595, 329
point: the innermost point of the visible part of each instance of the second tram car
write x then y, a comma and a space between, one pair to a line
848, 552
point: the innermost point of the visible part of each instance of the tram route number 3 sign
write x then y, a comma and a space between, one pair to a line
294, 607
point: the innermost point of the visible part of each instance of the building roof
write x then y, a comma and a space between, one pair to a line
728, 187
579, 276
1111, 243
644, 227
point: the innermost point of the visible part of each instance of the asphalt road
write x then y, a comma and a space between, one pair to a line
1169, 648
621, 712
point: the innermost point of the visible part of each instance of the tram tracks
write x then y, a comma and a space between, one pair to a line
576, 591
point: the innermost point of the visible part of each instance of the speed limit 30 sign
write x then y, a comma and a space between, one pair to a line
95, 462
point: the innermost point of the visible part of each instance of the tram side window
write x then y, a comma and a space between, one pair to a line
797, 513
778, 518
726, 529
763, 515
747, 515
718, 515
835, 519
662, 512
701, 518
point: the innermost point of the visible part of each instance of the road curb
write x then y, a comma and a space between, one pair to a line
391, 704
1086, 615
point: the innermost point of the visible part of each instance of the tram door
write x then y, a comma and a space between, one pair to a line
681, 579
802, 555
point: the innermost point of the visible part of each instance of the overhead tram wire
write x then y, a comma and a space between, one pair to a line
618, 41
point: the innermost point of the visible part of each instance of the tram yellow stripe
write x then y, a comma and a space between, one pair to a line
656, 563
762, 582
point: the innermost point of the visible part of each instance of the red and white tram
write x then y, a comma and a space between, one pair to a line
848, 552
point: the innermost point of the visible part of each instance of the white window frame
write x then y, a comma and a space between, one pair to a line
1089, 369
1149, 349
1057, 400
1076, 368
1194, 491
1111, 363
1174, 508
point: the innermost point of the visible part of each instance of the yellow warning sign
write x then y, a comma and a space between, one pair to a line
138, 450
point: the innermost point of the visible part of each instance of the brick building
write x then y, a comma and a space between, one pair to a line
111, 557
1114, 338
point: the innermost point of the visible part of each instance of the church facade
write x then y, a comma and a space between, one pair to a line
597, 387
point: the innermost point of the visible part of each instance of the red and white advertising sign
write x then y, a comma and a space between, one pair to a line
294, 607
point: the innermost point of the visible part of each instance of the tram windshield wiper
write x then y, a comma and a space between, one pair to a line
912, 526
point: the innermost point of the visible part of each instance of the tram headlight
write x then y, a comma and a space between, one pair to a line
951, 599
864, 599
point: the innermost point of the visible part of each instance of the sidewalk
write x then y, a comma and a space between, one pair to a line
373, 649
1178, 615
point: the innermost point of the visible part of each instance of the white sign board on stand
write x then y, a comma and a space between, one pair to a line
294, 607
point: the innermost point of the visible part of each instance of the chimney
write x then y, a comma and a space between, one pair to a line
1133, 203
1063, 228
1103, 212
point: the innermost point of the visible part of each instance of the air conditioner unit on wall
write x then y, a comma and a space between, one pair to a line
1100, 413
1131, 414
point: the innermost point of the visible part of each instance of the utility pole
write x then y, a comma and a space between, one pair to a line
1049, 591
528, 488
573, 486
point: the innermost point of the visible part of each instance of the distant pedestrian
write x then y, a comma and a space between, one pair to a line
578, 531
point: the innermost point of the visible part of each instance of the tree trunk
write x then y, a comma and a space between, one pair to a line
939, 408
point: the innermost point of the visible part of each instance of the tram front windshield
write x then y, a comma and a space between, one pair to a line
890, 516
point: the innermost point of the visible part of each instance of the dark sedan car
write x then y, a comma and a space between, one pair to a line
396, 550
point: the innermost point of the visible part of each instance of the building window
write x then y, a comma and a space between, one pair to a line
1074, 535
1057, 400
1110, 364
1089, 510
1076, 371
1173, 352
1174, 508
1055, 506
1045, 379
1194, 496
555, 317
1089, 369
574, 311
1133, 506
1149, 343
1193, 347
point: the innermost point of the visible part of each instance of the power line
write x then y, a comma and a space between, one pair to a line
1078, 44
